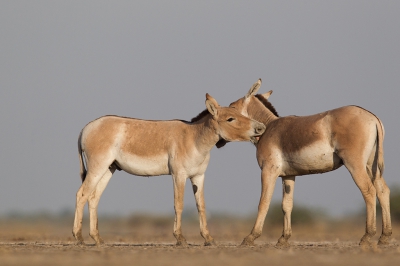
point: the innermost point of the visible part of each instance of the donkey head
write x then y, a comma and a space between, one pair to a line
230, 125
254, 106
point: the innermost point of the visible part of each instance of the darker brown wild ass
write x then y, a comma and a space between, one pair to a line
301, 145
150, 148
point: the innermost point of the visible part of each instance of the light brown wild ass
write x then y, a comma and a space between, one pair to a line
293, 146
151, 148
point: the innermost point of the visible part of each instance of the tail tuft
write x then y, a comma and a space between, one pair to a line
381, 135
82, 165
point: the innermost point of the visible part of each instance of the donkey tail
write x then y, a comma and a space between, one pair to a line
380, 137
83, 170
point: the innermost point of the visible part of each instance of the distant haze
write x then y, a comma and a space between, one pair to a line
65, 63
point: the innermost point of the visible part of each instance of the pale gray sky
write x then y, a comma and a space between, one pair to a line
65, 63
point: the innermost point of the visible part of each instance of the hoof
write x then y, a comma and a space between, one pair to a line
282, 243
247, 243
78, 237
384, 240
80, 243
182, 244
365, 242
210, 243
99, 242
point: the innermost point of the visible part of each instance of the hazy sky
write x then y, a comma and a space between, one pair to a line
65, 63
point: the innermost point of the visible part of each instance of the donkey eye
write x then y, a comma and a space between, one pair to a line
230, 119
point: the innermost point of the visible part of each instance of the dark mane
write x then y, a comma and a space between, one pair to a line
199, 116
267, 104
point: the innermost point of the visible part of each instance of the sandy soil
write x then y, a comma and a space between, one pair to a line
150, 242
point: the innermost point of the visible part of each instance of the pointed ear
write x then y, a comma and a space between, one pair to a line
267, 94
253, 90
211, 105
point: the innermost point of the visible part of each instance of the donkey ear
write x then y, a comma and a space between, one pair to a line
267, 94
211, 104
253, 90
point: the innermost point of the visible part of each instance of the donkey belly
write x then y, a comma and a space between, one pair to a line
314, 159
144, 166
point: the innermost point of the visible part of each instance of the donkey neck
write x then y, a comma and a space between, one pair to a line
205, 133
259, 112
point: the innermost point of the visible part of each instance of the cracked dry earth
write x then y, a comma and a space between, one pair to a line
50, 243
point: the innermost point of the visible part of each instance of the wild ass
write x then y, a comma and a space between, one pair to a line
302, 145
151, 148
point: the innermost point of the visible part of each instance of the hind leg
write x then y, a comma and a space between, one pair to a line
364, 183
87, 187
93, 201
287, 207
383, 193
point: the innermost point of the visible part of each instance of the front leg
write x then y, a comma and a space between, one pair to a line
287, 207
268, 180
179, 191
198, 185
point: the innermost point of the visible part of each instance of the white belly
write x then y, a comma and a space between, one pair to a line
144, 166
316, 158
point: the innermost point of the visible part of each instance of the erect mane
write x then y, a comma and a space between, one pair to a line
200, 116
267, 104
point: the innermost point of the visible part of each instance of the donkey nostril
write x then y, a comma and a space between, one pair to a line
260, 129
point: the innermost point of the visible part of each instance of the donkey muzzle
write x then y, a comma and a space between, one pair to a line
259, 129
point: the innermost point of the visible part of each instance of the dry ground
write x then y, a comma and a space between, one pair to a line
149, 241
